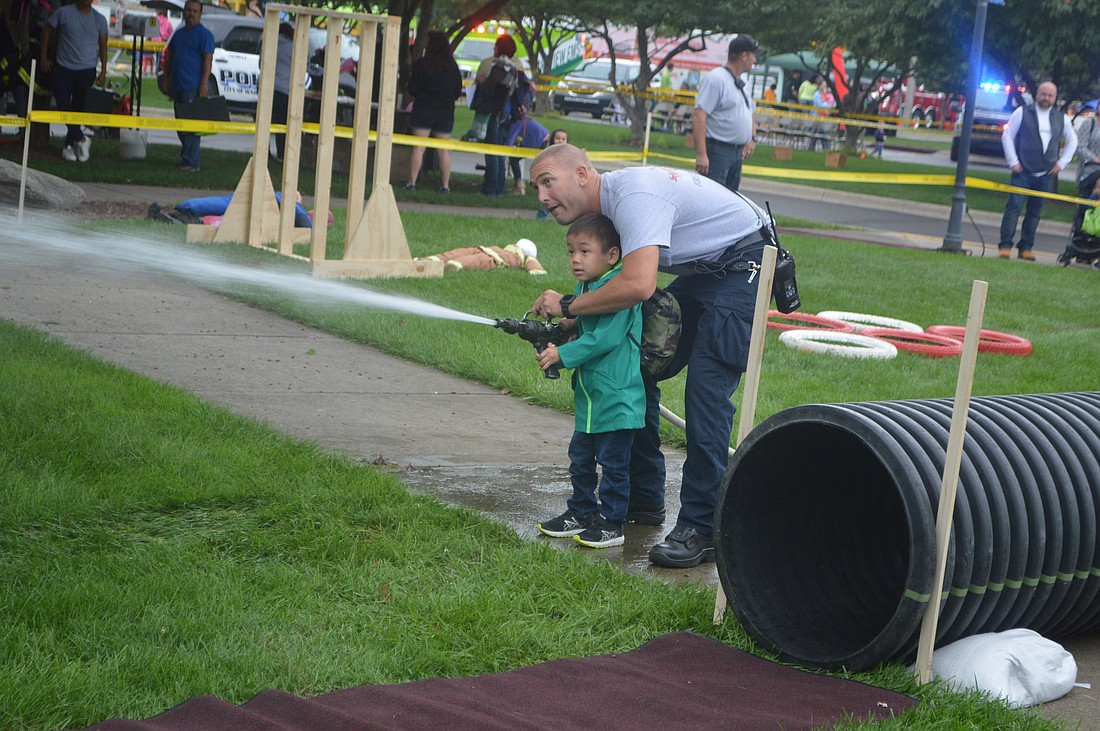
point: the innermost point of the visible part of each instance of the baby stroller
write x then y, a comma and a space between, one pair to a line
1084, 238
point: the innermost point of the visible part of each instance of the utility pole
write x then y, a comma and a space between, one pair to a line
952, 240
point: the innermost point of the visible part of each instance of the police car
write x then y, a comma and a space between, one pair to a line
235, 71
589, 89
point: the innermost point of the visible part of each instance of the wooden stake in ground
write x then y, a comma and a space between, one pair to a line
26, 141
949, 486
752, 372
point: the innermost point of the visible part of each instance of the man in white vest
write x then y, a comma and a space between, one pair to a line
1031, 142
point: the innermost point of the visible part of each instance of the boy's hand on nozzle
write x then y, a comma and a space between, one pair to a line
548, 356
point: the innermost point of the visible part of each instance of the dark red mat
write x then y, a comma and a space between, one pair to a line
677, 681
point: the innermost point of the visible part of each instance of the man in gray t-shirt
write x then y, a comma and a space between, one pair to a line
723, 126
712, 238
81, 41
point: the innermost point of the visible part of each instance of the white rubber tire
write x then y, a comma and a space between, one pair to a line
845, 345
859, 321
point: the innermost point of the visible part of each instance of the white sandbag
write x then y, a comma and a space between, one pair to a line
1019, 665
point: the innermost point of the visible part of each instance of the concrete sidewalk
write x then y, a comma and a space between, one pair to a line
463, 442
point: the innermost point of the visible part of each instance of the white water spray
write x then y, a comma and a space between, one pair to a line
150, 253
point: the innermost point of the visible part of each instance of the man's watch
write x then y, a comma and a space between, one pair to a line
566, 300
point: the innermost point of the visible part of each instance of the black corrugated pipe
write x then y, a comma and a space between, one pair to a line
825, 527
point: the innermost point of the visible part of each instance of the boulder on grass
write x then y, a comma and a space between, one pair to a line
44, 191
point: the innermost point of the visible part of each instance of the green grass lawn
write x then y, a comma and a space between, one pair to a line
157, 547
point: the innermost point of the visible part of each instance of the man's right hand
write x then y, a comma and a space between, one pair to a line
47, 65
1017, 168
547, 305
702, 163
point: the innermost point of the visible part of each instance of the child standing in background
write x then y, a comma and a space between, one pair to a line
880, 139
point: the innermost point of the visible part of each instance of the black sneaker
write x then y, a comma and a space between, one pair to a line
646, 514
600, 533
683, 548
565, 525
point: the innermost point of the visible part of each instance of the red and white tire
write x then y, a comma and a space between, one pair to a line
845, 345
860, 321
822, 323
989, 341
927, 344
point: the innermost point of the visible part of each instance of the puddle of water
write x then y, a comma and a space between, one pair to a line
522, 495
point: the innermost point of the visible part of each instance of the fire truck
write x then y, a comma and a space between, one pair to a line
929, 107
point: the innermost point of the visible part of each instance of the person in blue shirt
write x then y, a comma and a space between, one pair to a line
187, 61
609, 397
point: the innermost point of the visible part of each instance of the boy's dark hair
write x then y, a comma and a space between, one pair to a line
599, 227
555, 134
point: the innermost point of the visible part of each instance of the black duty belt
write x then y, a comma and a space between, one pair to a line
731, 259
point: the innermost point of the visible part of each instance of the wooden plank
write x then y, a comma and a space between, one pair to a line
751, 388
960, 412
236, 223
323, 178
262, 137
292, 148
387, 102
326, 13
26, 145
360, 150
377, 269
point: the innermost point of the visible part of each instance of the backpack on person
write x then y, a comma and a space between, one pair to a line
661, 326
491, 97
493, 93
521, 101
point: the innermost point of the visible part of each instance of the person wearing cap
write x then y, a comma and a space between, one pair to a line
490, 97
723, 125
520, 255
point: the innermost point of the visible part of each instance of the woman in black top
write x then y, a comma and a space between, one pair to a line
435, 82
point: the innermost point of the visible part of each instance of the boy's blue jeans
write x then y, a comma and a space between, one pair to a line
611, 451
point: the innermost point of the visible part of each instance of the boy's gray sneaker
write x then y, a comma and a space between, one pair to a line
600, 533
565, 525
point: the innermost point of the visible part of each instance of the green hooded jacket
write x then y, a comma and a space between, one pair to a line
608, 394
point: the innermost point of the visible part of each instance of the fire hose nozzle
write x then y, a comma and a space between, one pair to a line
538, 333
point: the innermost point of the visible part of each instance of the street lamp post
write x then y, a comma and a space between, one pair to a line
952, 240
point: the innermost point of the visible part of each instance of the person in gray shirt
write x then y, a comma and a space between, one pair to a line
685, 224
722, 123
81, 40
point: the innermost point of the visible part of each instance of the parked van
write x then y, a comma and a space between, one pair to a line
590, 89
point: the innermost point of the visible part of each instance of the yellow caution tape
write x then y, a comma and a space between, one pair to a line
149, 46
249, 128
123, 120
883, 179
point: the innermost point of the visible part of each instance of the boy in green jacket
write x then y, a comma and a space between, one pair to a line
608, 395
